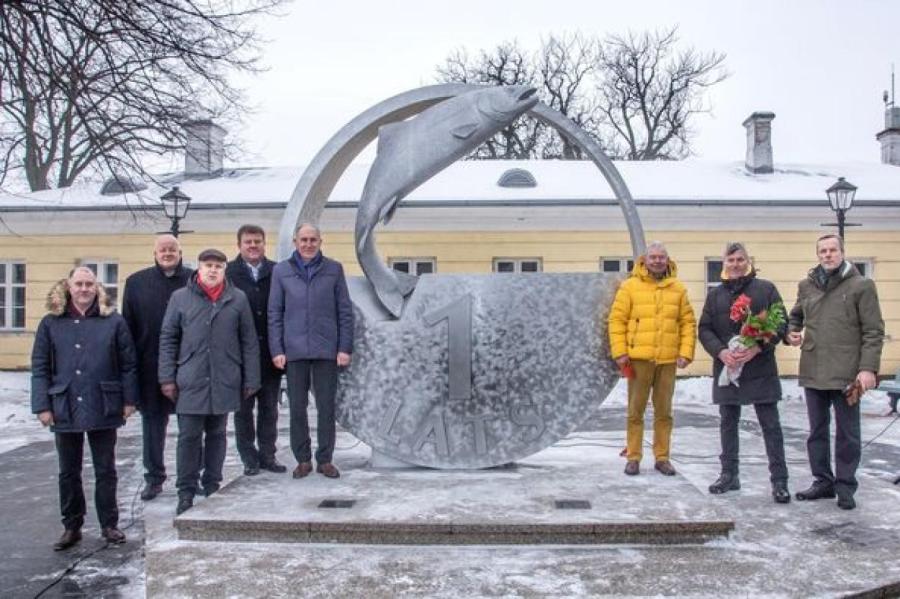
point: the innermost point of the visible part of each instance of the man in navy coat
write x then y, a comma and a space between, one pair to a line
311, 336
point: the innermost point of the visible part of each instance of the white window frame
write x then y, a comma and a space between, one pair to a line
707, 284
869, 263
517, 264
623, 264
100, 269
413, 264
9, 287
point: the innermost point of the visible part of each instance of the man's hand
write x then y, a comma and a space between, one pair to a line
623, 361
248, 392
727, 358
343, 359
745, 354
46, 417
866, 380
170, 390
279, 361
682, 362
127, 411
795, 338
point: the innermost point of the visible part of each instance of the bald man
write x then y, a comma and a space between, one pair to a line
144, 304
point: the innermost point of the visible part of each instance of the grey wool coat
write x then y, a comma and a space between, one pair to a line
210, 350
843, 332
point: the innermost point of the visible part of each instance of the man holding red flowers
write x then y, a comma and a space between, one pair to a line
742, 323
837, 324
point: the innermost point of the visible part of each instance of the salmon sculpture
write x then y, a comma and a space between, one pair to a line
410, 153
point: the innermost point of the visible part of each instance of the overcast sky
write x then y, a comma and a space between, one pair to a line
820, 66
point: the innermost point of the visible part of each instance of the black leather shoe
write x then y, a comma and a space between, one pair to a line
150, 492
185, 502
816, 491
251, 470
846, 502
211, 489
727, 481
273, 466
68, 538
113, 535
780, 492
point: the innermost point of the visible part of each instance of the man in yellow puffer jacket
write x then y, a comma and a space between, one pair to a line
651, 331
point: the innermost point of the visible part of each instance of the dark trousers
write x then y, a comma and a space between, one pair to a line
70, 448
256, 445
153, 427
201, 446
767, 415
323, 376
847, 445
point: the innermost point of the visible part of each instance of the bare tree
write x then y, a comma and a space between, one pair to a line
98, 85
649, 92
636, 94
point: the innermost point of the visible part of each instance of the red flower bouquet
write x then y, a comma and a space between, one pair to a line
762, 326
756, 327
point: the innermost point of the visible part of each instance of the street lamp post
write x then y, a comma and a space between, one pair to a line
175, 205
840, 196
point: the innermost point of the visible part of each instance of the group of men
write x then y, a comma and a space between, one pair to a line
836, 321
207, 343
200, 344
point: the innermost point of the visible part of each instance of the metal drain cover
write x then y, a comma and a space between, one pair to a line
337, 503
572, 504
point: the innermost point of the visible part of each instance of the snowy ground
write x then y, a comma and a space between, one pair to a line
538, 571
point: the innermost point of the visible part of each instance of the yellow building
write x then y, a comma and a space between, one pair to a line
476, 216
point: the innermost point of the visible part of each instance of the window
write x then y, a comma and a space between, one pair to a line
616, 265
517, 265
863, 265
107, 274
12, 296
713, 273
414, 266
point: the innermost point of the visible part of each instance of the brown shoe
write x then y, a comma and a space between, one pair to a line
665, 467
328, 469
68, 538
303, 469
113, 535
632, 467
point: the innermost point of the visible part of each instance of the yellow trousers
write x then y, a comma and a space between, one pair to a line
658, 379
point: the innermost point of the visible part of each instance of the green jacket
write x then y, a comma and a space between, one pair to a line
843, 331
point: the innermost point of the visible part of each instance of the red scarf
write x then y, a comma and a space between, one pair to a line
213, 293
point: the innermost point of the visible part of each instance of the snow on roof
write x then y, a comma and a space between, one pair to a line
686, 180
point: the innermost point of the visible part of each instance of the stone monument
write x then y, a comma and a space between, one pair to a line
460, 371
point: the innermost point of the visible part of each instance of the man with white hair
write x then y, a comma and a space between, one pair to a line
651, 331
146, 296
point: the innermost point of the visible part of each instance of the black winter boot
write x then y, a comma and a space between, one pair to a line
780, 492
728, 481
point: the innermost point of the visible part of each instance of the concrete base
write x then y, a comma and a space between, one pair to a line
435, 507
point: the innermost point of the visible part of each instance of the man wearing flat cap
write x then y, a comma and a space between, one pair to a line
208, 361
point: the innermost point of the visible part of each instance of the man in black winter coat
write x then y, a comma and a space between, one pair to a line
146, 296
84, 383
251, 272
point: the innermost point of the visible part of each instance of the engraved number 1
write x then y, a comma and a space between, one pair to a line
458, 315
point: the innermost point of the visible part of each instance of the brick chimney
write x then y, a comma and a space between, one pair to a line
204, 148
759, 142
890, 137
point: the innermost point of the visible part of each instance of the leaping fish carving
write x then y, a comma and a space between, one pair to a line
413, 151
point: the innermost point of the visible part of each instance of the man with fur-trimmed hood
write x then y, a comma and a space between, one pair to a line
84, 382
